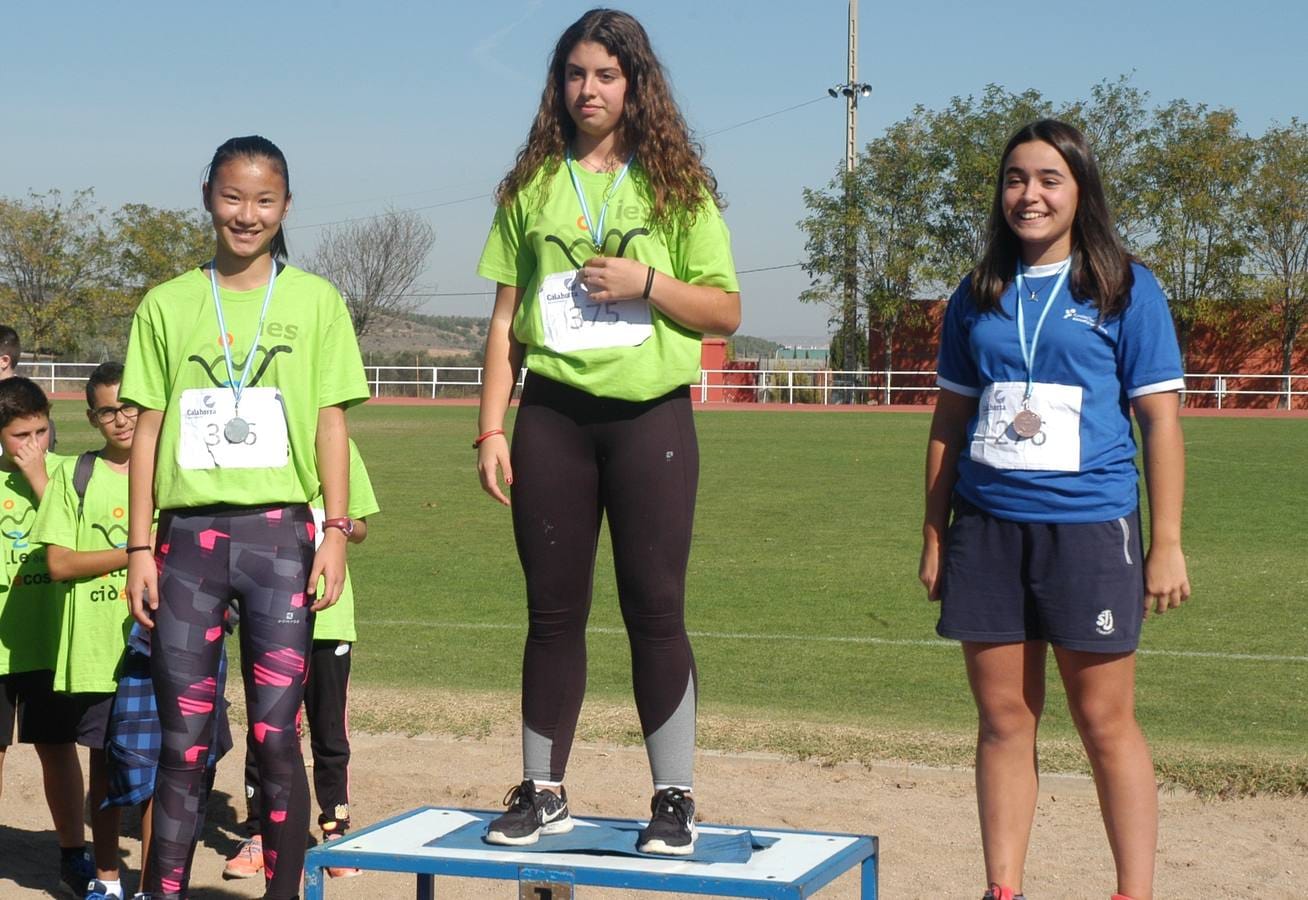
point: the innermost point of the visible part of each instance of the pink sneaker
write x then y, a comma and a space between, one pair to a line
247, 861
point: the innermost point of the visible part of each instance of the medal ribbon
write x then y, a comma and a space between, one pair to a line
238, 387
596, 229
1029, 357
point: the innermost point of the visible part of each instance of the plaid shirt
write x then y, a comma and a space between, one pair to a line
134, 735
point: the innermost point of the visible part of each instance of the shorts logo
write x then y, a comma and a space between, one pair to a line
1104, 622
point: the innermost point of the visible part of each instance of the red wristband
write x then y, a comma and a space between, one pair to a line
483, 436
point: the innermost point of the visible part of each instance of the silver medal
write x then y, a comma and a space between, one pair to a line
1027, 424
236, 430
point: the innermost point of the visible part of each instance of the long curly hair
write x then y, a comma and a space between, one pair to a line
651, 126
1101, 265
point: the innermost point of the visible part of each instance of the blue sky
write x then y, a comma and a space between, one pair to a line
423, 105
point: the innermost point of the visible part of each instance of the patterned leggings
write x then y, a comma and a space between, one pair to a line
262, 557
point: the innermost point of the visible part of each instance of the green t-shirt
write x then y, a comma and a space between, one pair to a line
336, 622
542, 232
29, 597
96, 617
307, 359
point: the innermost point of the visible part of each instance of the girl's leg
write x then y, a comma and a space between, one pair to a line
187, 642
648, 485
272, 553
1101, 697
105, 823
556, 518
1008, 684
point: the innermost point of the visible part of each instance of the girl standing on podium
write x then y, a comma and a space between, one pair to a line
1048, 345
612, 260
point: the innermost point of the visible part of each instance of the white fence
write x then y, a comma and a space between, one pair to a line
791, 386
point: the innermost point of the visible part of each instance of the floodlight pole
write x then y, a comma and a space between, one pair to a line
851, 90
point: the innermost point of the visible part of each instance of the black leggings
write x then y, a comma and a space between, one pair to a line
577, 457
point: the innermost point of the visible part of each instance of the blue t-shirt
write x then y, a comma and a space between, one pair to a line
1081, 465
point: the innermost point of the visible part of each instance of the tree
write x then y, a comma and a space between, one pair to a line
374, 263
1192, 170
834, 216
56, 268
887, 202
153, 245
1115, 122
966, 139
1274, 206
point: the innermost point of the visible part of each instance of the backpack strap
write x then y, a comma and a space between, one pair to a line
82, 477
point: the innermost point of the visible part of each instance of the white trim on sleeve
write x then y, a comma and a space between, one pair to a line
957, 388
1174, 384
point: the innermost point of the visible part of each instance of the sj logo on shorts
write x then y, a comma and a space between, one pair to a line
1104, 622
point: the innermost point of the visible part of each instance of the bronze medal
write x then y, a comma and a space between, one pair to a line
1027, 424
236, 430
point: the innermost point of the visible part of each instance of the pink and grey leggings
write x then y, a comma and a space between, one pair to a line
261, 556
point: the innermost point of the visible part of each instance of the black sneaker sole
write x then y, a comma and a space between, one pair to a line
561, 826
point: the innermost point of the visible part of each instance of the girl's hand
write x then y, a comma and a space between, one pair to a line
928, 570
142, 587
493, 458
329, 567
608, 278
1166, 583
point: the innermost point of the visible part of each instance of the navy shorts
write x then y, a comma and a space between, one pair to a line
44, 717
93, 718
1079, 586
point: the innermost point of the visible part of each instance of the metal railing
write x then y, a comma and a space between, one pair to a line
1226, 390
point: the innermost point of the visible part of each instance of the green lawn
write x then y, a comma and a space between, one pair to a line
803, 586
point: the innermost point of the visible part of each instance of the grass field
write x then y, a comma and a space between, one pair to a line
810, 629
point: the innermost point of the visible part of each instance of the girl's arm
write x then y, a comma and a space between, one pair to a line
499, 374
67, 564
1159, 415
142, 576
332, 446
948, 432
696, 306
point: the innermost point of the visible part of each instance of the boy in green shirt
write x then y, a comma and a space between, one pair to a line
83, 524
29, 622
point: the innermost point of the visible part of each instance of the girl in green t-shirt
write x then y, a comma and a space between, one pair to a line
242, 370
611, 260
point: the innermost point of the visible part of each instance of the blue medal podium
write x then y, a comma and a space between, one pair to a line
728, 861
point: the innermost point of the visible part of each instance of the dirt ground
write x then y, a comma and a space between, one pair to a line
925, 819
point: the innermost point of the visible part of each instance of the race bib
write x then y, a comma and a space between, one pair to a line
1057, 445
573, 322
215, 437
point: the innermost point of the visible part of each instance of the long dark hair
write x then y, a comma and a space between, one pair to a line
651, 126
254, 147
1101, 266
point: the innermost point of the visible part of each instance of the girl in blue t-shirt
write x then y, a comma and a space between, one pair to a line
1031, 534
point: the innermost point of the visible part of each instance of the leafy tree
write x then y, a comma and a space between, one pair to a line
834, 221
153, 245
966, 138
56, 268
1274, 207
375, 262
1192, 170
1115, 122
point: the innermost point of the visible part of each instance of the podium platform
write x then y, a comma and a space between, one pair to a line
795, 864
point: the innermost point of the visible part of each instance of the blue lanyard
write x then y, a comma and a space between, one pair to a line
596, 229
238, 387
1029, 357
